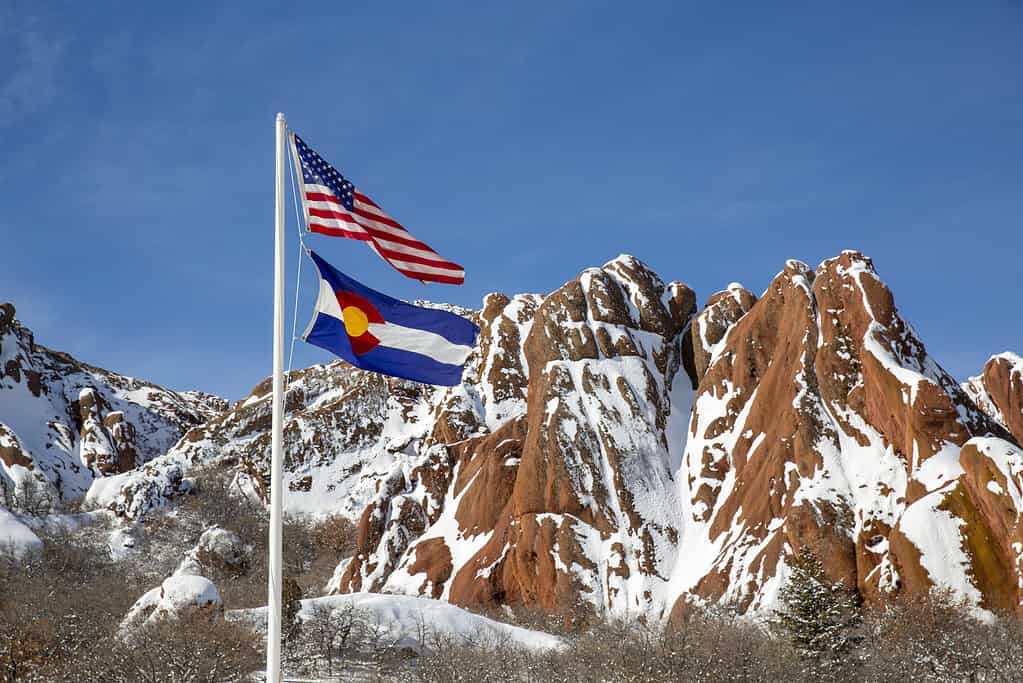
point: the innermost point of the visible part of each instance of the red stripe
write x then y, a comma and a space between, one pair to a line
338, 232
427, 277
320, 197
408, 258
324, 213
378, 218
363, 198
390, 237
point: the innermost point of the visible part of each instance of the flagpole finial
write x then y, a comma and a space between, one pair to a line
280, 116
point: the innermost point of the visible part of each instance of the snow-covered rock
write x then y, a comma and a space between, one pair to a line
569, 491
217, 548
177, 596
998, 391
136, 492
822, 422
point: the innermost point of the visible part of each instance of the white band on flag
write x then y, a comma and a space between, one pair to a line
423, 342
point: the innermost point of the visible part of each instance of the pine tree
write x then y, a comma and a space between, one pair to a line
819, 617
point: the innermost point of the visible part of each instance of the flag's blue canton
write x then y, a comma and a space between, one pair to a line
318, 172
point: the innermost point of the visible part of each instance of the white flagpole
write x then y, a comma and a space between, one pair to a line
273, 625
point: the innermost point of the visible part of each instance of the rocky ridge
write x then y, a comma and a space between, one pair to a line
613, 444
65, 424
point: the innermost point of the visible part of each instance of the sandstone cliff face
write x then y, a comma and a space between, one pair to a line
709, 327
568, 490
822, 422
818, 420
998, 391
64, 423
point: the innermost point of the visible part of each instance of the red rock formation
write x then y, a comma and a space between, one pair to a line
998, 391
709, 326
821, 421
818, 421
609, 445
578, 395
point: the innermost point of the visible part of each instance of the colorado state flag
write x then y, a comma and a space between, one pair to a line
374, 332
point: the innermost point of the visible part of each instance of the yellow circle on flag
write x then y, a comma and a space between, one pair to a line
356, 321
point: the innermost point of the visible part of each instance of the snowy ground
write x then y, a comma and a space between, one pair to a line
404, 617
403, 622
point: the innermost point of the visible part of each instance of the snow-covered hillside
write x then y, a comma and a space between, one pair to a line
613, 445
64, 423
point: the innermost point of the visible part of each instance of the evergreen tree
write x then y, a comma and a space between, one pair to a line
818, 617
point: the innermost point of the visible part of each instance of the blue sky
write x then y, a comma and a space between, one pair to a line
524, 140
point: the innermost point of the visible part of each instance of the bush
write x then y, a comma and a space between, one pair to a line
190, 650
703, 647
328, 639
336, 535
32, 497
936, 637
59, 602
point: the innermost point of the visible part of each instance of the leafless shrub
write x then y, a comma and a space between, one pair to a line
937, 638
702, 647
336, 535
30, 497
58, 603
566, 620
194, 649
330, 637
216, 501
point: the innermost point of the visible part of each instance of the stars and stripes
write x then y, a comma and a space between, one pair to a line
334, 206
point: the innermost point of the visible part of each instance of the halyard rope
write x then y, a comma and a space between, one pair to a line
298, 276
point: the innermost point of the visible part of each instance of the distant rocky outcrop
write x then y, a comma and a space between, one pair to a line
998, 391
64, 423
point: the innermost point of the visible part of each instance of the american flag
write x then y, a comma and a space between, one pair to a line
334, 206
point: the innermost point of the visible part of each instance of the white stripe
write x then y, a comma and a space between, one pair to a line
326, 303
336, 223
383, 227
405, 249
375, 210
328, 206
320, 189
420, 341
420, 268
